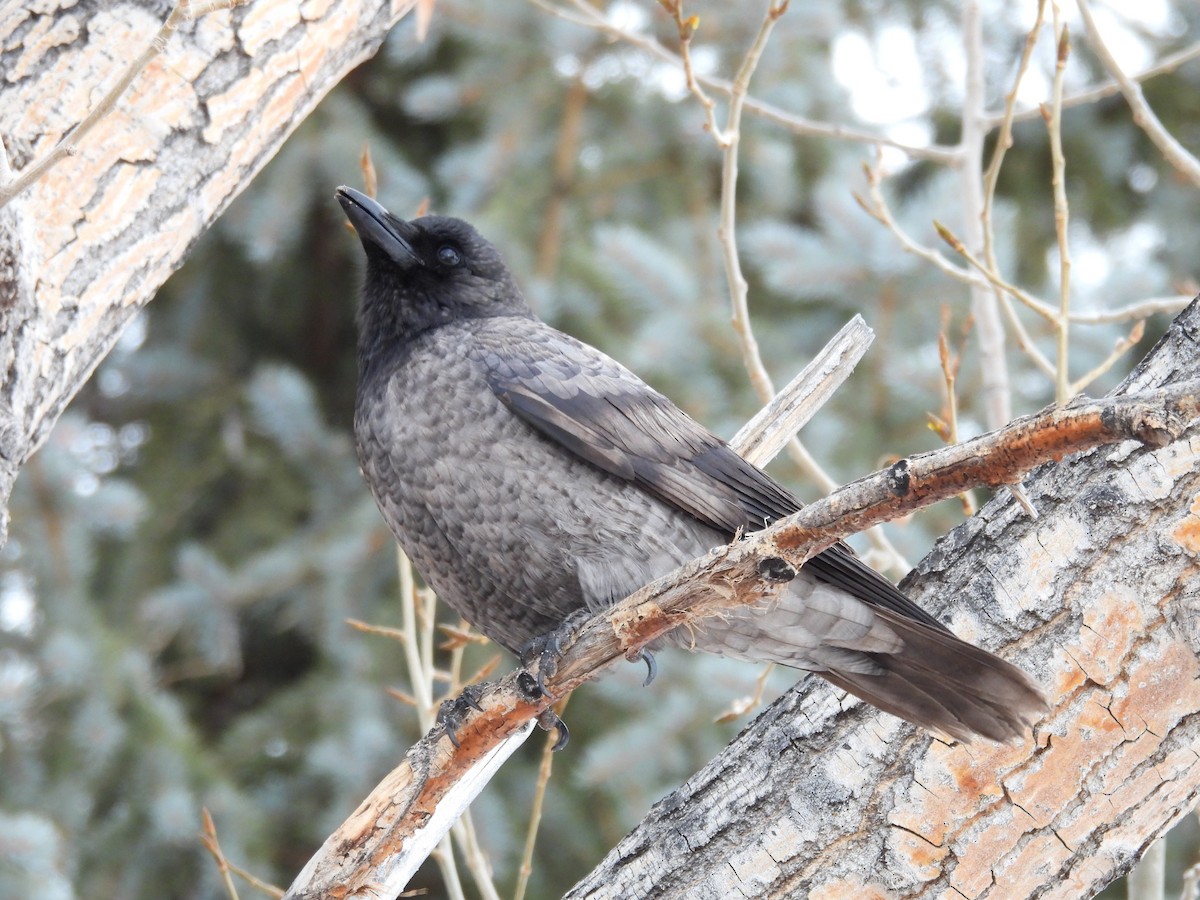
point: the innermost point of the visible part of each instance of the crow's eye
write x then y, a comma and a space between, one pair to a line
448, 256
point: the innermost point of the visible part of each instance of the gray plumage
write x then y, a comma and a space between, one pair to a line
529, 476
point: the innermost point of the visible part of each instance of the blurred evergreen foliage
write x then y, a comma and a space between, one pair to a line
187, 547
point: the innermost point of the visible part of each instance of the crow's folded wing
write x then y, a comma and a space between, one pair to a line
603, 413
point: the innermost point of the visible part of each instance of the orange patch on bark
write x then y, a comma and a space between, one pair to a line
850, 889
1187, 532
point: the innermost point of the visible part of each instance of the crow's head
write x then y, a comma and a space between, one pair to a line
424, 273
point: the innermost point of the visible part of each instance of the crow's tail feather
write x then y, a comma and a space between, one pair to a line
941, 682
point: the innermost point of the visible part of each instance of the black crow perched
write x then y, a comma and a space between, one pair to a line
529, 477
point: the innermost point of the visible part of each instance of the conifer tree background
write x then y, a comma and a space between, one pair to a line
186, 548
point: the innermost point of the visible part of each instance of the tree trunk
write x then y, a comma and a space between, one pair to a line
1097, 598
89, 243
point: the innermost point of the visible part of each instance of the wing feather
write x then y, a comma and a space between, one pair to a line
595, 408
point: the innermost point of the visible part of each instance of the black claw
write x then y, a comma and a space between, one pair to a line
549, 720
547, 649
450, 718
453, 712
547, 662
651, 666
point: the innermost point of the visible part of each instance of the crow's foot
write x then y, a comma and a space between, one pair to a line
548, 719
547, 649
452, 713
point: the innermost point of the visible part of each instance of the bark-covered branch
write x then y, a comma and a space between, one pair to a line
91, 241
377, 840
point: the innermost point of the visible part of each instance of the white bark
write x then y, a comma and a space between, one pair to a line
91, 242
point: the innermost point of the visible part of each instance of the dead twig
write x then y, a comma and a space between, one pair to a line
228, 869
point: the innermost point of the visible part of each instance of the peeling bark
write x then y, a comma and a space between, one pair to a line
823, 798
91, 242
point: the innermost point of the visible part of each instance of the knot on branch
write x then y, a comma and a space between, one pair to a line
528, 685
1154, 428
773, 568
899, 481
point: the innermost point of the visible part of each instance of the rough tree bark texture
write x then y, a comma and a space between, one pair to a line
1097, 598
91, 242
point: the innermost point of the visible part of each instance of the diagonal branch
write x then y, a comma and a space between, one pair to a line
1168, 63
1173, 151
383, 842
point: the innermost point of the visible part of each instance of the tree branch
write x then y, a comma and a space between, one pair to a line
985, 306
104, 227
1058, 182
588, 17
181, 12
761, 439
1173, 152
1168, 63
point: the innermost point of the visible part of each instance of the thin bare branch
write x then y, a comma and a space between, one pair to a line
1040, 307
686, 26
422, 686
1021, 337
1143, 309
417, 635
949, 363
1168, 63
211, 843
466, 838
1143, 116
877, 208
744, 705
213, 846
1123, 346
989, 329
728, 139
1058, 182
535, 814
589, 17
1004, 139
990, 179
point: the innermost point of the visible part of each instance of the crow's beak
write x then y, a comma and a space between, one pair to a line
378, 227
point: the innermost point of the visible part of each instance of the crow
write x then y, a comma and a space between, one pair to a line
532, 478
